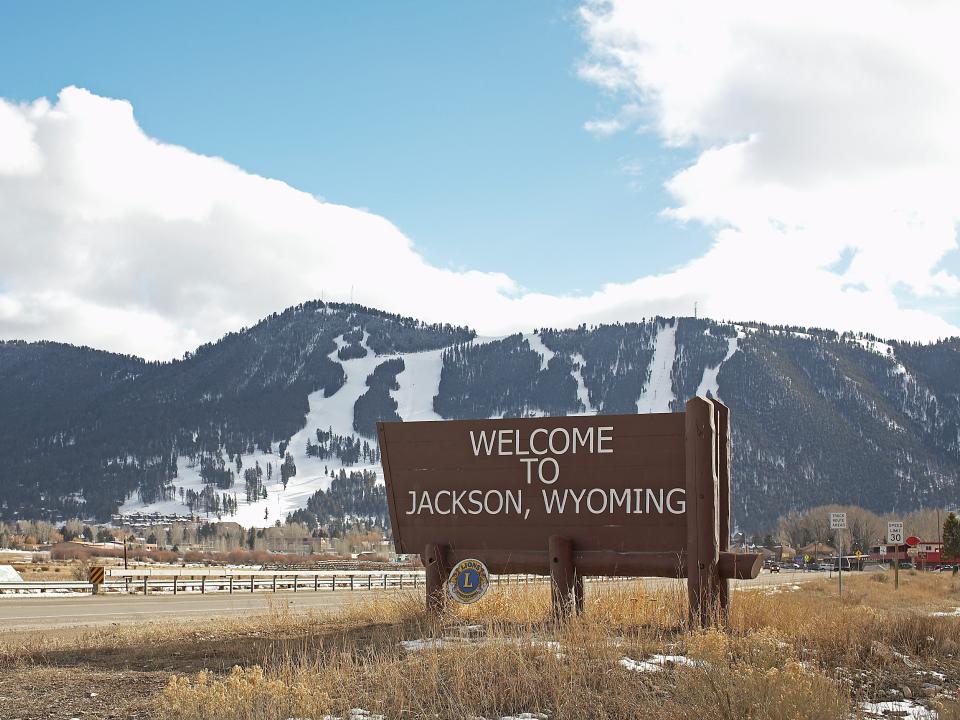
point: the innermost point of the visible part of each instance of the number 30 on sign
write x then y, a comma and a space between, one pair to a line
895, 533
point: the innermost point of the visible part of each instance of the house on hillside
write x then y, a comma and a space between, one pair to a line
816, 550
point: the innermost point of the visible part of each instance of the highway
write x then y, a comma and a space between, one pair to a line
28, 613
51, 613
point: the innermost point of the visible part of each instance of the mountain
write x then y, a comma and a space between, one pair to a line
281, 416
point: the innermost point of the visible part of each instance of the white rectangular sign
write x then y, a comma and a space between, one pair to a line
895, 533
838, 521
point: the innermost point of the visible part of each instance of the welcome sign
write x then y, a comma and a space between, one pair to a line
627, 494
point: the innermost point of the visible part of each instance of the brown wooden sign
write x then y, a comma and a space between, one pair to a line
634, 495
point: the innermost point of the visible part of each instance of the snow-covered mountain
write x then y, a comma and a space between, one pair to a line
251, 427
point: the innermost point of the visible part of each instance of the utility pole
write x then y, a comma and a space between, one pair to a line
840, 564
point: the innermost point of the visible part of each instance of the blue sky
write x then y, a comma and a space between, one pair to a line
462, 123
811, 165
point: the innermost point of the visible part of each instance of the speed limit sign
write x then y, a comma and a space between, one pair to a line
895, 533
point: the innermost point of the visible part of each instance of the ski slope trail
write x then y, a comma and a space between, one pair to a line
657, 394
709, 384
583, 395
419, 384
536, 344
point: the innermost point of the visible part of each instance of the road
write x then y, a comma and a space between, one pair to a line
26, 613
50, 613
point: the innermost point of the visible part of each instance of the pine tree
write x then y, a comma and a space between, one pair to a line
951, 537
287, 470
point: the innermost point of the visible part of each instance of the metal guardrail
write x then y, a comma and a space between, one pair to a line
247, 582
56, 586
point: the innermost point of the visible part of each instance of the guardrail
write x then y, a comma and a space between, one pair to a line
248, 582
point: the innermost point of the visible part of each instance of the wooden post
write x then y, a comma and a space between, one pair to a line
144, 585
722, 418
174, 584
203, 584
435, 566
702, 496
840, 563
274, 583
316, 582
563, 577
231, 584
295, 583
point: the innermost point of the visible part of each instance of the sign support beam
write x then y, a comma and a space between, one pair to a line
703, 536
436, 571
722, 418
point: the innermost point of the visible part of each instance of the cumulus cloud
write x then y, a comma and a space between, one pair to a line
113, 239
823, 131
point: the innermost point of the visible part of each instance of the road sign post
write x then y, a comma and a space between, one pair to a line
96, 577
895, 537
838, 522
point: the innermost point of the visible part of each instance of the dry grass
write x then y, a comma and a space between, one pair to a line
789, 654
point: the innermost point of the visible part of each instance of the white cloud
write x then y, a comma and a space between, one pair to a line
821, 128
113, 239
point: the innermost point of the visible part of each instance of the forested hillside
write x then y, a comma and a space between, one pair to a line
282, 416
80, 429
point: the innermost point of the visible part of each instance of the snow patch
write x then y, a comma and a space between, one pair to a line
419, 384
658, 663
709, 383
355, 714
954, 613
583, 395
536, 344
898, 708
657, 393
880, 348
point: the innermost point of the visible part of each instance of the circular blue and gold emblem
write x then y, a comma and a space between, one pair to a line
468, 581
